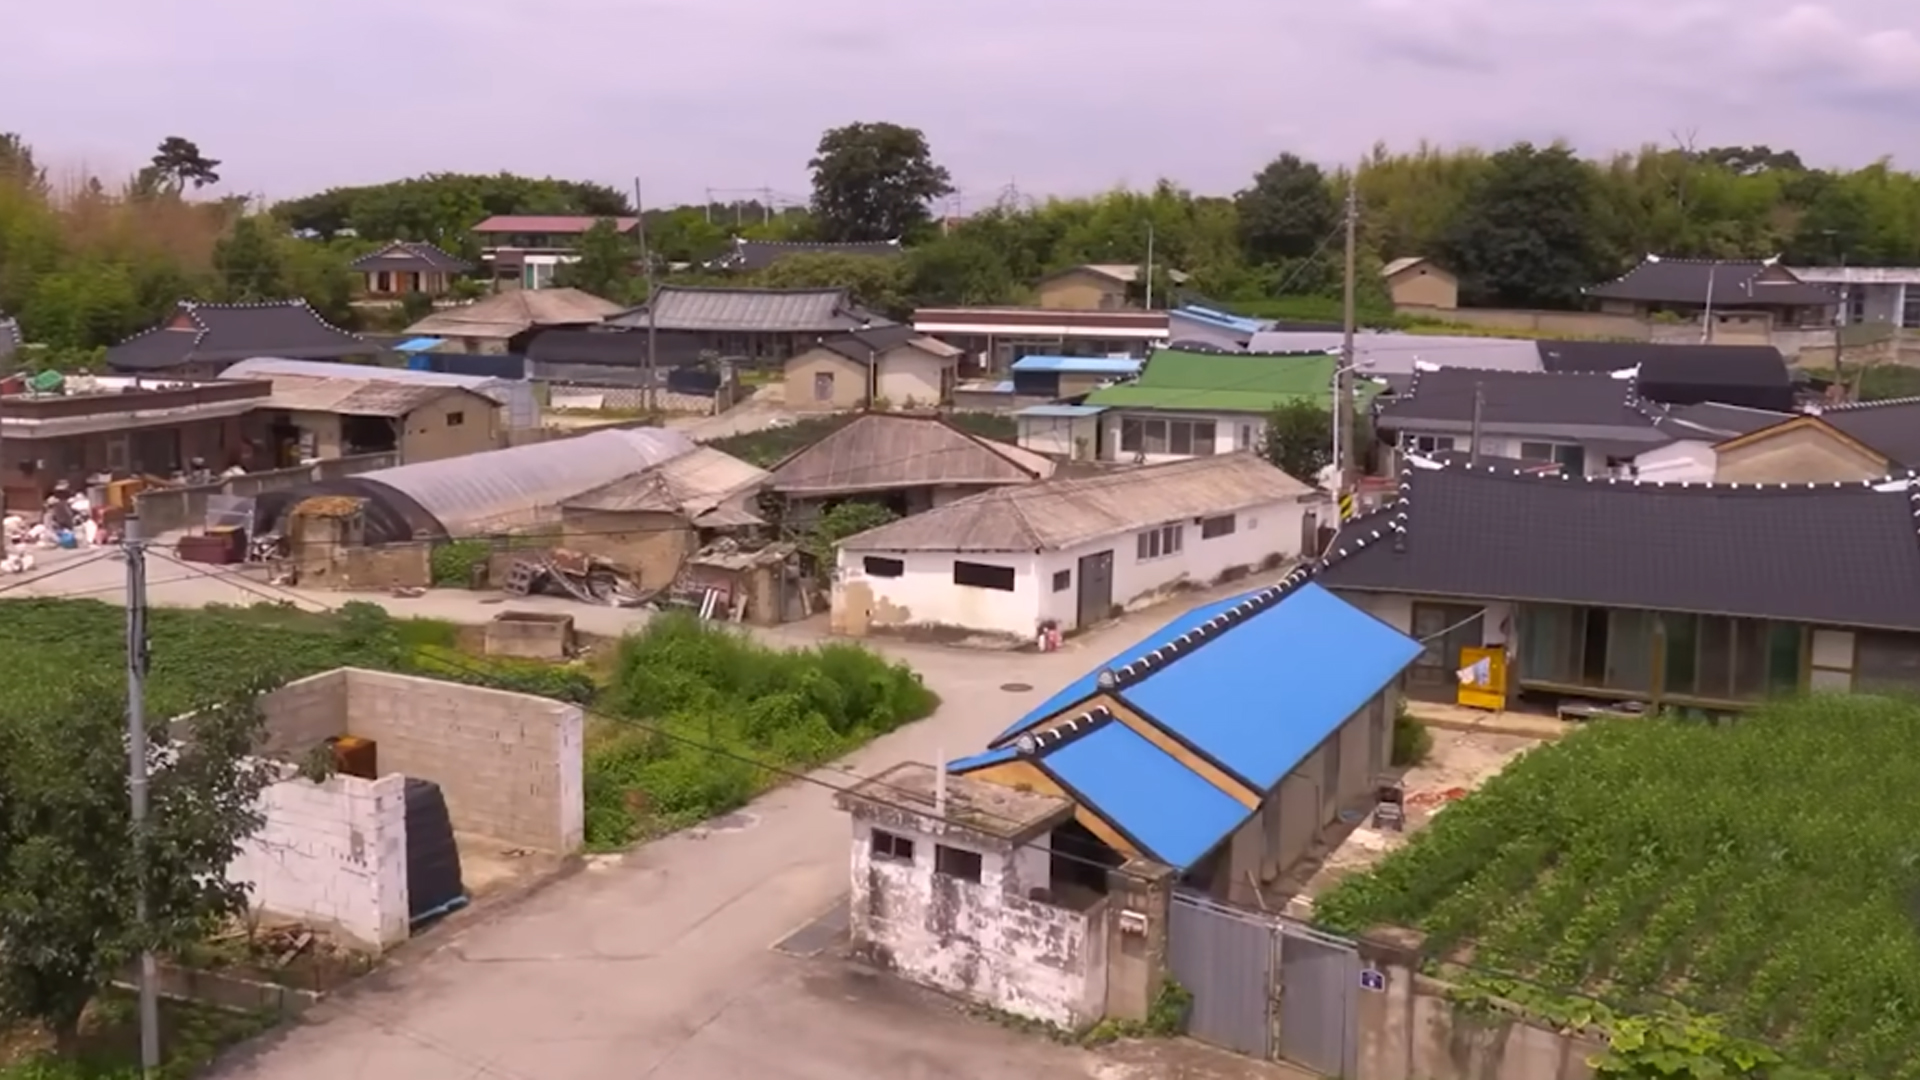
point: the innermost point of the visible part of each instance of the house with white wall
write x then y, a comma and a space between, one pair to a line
1590, 424
1887, 295
1069, 553
1193, 403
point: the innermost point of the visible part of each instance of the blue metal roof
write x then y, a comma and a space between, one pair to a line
419, 344
1260, 695
982, 760
1080, 365
1087, 685
1162, 805
1221, 319
1062, 410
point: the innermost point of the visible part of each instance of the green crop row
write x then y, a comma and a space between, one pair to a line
1767, 872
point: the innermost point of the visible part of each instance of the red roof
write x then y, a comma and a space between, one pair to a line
546, 223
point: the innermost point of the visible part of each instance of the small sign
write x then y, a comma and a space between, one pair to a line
1373, 979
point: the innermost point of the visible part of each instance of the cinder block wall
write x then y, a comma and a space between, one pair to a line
510, 764
303, 714
333, 855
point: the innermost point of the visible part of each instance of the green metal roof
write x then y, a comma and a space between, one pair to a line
1227, 382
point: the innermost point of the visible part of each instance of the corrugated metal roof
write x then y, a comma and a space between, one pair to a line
692, 483
1146, 793
513, 312
1080, 365
502, 488
1061, 410
763, 311
881, 451
517, 395
1378, 353
420, 344
353, 397
1061, 514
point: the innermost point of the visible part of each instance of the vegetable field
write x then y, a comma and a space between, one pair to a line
1768, 872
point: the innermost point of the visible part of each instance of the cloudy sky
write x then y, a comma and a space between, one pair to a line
1056, 96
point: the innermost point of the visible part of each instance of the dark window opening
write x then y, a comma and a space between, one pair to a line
1062, 580
983, 576
957, 863
892, 848
455, 419
1217, 526
881, 566
367, 435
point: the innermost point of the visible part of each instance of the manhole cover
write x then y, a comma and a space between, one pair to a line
1016, 687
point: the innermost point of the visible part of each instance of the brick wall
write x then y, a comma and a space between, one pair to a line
509, 764
333, 855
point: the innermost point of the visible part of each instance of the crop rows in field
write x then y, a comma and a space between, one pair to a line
1768, 871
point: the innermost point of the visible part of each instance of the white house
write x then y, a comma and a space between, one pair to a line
1068, 431
1888, 295
1073, 552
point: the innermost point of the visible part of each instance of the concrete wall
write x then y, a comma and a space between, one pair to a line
1799, 454
652, 546
1424, 286
453, 425
983, 941
167, 509
1231, 432
1684, 462
849, 389
1076, 437
365, 568
332, 855
532, 635
910, 378
1080, 290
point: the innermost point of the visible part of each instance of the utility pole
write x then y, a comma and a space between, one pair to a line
708, 206
1706, 315
1149, 264
646, 264
1343, 378
135, 549
1479, 403
766, 206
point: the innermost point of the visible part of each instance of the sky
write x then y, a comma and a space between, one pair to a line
1060, 97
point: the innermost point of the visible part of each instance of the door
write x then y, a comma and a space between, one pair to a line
1444, 629
1096, 589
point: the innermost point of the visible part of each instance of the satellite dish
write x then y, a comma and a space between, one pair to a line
1026, 744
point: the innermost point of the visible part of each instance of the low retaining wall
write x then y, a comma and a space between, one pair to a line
227, 991
169, 509
530, 635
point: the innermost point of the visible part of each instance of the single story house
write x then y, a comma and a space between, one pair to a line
199, 340
879, 367
406, 267
506, 322
748, 256
1186, 751
1057, 377
322, 417
1706, 596
1418, 282
1695, 434
1883, 295
766, 325
1098, 287
523, 251
1732, 297
652, 522
1189, 403
1754, 376
994, 337
1060, 430
1835, 443
910, 464
514, 395
1070, 553
1593, 425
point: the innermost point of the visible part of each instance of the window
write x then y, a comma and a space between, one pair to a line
1132, 439
1244, 440
1188, 437
1158, 543
956, 863
1426, 444
1856, 305
892, 848
823, 386
383, 282
1062, 580
1571, 459
983, 575
1910, 311
1704, 656
455, 419
881, 566
1217, 526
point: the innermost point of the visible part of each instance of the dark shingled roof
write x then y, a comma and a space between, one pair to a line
1891, 427
1712, 420
224, 333
610, 348
751, 255
1733, 284
1838, 554
1573, 407
862, 345
749, 311
1752, 375
411, 256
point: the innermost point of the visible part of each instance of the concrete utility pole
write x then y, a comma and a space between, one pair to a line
646, 264
1343, 378
707, 206
135, 549
1149, 264
1479, 403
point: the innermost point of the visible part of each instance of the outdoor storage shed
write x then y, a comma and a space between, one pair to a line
522, 411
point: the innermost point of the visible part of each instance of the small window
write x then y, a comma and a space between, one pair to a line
1244, 441
1428, 444
1131, 437
1062, 580
983, 575
455, 419
1158, 543
1217, 526
881, 566
892, 848
956, 863
823, 386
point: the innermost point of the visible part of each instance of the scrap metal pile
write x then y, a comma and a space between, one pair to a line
587, 578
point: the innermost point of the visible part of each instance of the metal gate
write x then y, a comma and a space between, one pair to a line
1096, 589
1265, 986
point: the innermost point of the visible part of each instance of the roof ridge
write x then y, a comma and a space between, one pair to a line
1676, 485
1140, 667
1065, 732
1856, 406
992, 446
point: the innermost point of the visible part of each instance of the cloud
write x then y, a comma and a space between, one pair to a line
1065, 96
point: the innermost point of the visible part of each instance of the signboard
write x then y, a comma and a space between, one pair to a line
1374, 980
1483, 678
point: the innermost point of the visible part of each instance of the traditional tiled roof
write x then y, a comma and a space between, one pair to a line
411, 255
1576, 408
749, 311
1891, 427
1730, 284
1752, 375
860, 346
220, 333
516, 311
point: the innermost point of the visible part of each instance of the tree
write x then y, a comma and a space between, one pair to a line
874, 182
840, 521
68, 866
1526, 235
605, 264
18, 168
877, 283
248, 261
178, 163
1299, 439
1288, 213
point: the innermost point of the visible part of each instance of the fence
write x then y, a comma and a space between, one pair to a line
169, 509
1267, 987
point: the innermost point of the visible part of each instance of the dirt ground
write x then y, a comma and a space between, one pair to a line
1459, 763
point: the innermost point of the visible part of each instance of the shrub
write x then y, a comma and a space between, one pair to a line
1412, 742
451, 564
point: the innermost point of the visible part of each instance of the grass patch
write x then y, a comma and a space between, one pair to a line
711, 686
1765, 873
191, 1037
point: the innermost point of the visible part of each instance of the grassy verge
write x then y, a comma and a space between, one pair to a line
191, 1036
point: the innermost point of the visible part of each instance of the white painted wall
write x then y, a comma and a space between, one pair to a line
1688, 461
1231, 431
1061, 436
925, 594
984, 941
333, 854
1498, 626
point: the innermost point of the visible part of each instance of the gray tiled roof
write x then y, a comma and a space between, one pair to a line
1752, 375
1387, 354
1713, 420
1891, 427
409, 255
218, 333
1842, 555
1733, 284
1579, 407
749, 311
881, 451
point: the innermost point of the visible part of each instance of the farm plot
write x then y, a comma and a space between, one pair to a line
1768, 872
